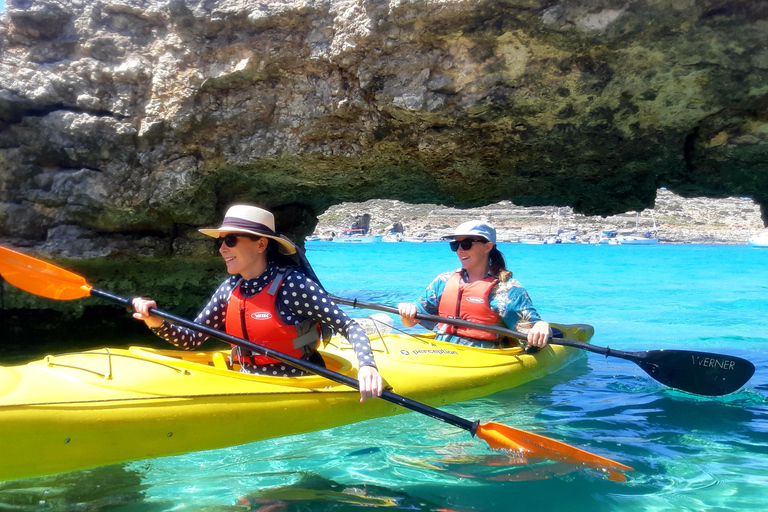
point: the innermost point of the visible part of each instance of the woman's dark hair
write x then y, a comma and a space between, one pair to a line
283, 260
273, 252
498, 265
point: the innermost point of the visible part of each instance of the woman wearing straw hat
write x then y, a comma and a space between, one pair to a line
268, 302
481, 290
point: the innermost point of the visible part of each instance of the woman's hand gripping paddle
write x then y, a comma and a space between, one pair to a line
47, 280
700, 373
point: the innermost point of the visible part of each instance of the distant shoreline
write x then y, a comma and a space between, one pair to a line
678, 220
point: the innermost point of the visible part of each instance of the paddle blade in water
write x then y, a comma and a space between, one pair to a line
41, 278
701, 373
535, 446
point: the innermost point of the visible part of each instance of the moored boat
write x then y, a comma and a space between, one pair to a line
532, 241
357, 236
392, 237
758, 240
648, 239
633, 237
85, 409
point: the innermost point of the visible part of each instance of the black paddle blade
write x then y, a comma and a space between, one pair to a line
701, 373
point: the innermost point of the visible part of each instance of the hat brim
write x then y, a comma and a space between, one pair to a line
284, 245
451, 237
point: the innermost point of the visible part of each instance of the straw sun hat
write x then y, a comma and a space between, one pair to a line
243, 218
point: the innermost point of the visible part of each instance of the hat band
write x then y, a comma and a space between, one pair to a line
246, 224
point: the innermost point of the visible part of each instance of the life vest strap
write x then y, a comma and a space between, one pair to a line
307, 334
276, 282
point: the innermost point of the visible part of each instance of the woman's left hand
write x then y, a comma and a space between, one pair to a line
539, 334
370, 383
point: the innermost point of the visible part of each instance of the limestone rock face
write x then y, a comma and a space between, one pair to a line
125, 124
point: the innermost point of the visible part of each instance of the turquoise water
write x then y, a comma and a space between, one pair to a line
690, 453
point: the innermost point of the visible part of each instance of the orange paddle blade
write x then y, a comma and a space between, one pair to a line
41, 278
535, 446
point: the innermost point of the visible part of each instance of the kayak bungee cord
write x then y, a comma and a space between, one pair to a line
47, 280
700, 373
428, 340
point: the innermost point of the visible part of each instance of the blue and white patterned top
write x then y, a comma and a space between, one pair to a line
508, 299
298, 299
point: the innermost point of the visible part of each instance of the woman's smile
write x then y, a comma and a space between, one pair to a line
474, 259
247, 257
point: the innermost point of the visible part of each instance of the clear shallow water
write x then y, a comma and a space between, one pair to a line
689, 453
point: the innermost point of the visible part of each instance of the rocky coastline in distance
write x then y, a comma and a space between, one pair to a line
678, 220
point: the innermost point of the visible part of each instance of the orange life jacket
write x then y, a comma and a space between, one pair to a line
256, 320
468, 301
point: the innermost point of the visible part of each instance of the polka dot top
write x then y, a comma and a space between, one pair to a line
298, 299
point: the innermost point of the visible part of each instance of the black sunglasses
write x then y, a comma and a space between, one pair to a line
231, 240
465, 244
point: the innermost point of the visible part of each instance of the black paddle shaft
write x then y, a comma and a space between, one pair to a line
701, 373
469, 426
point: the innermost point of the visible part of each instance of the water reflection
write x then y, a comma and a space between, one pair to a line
317, 493
104, 488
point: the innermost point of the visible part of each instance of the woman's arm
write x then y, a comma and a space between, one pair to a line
426, 304
305, 298
212, 315
514, 306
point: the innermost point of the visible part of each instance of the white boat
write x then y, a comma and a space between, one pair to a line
759, 240
568, 239
561, 238
631, 238
558, 237
356, 236
392, 237
609, 238
636, 240
317, 238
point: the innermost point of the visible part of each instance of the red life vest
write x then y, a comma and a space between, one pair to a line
468, 301
256, 320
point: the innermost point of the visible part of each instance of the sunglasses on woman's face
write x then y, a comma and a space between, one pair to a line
465, 244
231, 240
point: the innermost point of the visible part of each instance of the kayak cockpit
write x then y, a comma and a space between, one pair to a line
218, 361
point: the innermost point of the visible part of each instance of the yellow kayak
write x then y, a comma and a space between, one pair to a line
85, 409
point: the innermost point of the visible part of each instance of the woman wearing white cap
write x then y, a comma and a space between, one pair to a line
267, 302
481, 291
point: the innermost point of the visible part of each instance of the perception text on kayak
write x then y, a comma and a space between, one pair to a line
435, 351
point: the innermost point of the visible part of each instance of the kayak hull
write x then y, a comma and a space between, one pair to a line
86, 409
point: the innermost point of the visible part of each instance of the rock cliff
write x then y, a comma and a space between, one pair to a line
126, 124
